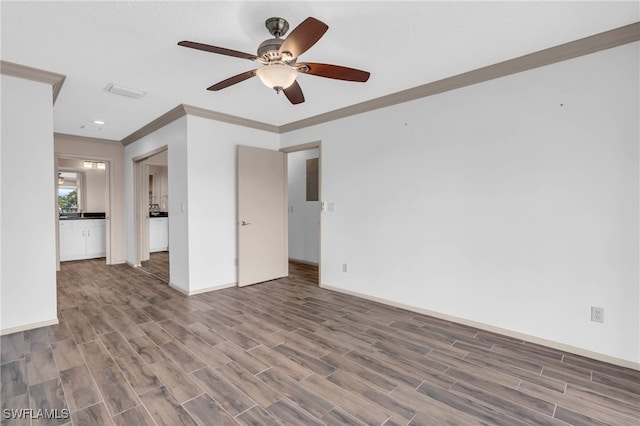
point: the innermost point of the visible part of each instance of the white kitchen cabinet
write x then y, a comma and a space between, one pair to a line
158, 234
72, 241
82, 239
96, 238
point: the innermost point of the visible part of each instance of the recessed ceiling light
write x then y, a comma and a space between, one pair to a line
98, 122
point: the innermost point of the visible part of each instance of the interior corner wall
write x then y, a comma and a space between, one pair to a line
114, 153
304, 216
174, 137
27, 228
513, 203
212, 175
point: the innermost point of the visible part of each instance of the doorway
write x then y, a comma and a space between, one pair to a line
303, 169
83, 205
265, 215
151, 177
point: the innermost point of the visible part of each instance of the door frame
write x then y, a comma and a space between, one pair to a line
109, 201
304, 147
141, 205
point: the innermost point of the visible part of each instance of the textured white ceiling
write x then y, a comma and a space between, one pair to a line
402, 44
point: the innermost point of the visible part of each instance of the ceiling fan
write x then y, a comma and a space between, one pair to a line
279, 59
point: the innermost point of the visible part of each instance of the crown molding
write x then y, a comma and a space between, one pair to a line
84, 138
301, 147
182, 110
231, 119
584, 46
34, 74
156, 124
595, 43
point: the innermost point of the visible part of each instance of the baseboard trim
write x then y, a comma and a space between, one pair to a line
304, 262
486, 327
202, 290
180, 289
28, 327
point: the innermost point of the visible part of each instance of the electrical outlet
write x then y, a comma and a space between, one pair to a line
344, 267
597, 314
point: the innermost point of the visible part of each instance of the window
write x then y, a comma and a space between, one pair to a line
69, 193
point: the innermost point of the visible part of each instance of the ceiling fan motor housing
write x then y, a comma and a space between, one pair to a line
270, 48
277, 26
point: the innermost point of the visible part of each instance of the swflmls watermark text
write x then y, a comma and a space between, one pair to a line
29, 413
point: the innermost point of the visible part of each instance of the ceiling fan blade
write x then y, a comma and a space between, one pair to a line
216, 49
294, 93
336, 71
303, 37
232, 80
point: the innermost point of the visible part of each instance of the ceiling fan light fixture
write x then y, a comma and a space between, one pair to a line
277, 76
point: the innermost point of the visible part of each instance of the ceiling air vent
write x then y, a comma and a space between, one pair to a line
124, 91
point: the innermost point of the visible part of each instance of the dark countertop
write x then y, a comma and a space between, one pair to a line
82, 216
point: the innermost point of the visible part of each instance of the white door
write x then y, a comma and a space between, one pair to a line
262, 215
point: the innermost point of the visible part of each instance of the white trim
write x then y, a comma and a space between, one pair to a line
503, 331
28, 327
202, 290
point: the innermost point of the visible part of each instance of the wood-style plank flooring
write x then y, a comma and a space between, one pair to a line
129, 350
158, 265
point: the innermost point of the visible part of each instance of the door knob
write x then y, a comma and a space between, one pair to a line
243, 223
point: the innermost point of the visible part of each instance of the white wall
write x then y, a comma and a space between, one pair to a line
202, 194
27, 228
212, 170
512, 203
174, 137
95, 190
304, 216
